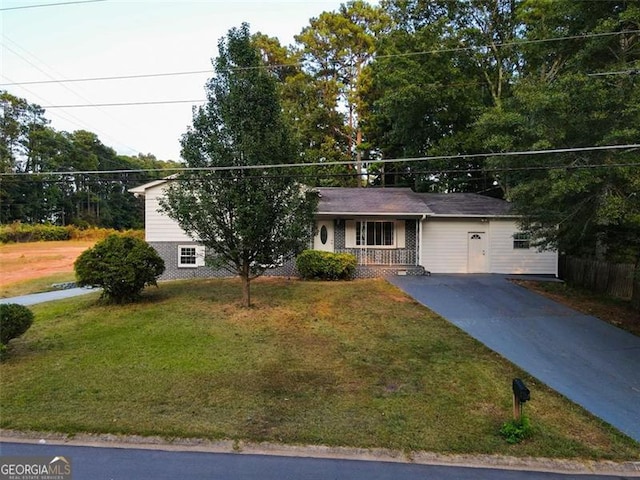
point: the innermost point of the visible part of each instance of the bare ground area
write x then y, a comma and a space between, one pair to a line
28, 261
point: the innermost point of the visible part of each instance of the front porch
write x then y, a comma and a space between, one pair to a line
379, 261
384, 257
373, 262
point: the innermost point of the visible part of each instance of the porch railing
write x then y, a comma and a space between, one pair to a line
372, 256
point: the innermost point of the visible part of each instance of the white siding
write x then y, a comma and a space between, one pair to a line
444, 248
505, 259
158, 226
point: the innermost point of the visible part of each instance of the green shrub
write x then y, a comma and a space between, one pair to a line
316, 264
14, 321
515, 431
97, 233
122, 265
21, 233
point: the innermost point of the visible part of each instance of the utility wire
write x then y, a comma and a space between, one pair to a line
507, 44
66, 87
316, 175
334, 163
115, 77
23, 7
124, 104
298, 64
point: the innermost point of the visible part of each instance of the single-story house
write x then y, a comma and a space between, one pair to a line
390, 230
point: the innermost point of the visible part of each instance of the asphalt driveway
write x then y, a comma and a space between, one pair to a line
589, 361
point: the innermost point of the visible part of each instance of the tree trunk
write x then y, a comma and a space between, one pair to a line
246, 291
359, 156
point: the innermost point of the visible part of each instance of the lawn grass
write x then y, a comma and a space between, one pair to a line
343, 364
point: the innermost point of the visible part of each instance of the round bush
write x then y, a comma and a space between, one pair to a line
326, 265
14, 321
121, 265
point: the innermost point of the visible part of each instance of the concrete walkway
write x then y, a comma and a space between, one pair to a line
587, 360
35, 298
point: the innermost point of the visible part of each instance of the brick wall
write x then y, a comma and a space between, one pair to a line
169, 252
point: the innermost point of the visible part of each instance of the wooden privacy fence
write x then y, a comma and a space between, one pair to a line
615, 279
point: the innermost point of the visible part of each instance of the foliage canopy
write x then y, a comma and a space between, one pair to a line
122, 265
248, 215
14, 321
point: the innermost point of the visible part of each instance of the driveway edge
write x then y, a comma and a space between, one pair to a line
503, 462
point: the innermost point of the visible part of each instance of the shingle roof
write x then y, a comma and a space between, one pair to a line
371, 201
463, 204
403, 201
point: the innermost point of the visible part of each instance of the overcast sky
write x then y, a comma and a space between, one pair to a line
130, 37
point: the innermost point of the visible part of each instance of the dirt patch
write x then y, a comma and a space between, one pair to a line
28, 261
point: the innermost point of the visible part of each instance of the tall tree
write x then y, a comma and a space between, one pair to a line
250, 218
19, 121
336, 48
41, 180
318, 129
425, 90
574, 96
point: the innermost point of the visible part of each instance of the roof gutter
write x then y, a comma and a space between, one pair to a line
460, 215
370, 214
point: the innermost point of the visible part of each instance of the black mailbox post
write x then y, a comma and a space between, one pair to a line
520, 391
521, 394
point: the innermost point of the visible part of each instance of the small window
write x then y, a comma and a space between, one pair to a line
521, 241
324, 235
187, 257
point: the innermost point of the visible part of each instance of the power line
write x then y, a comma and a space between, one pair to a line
508, 44
72, 119
115, 77
64, 86
298, 64
335, 163
69, 174
124, 104
50, 5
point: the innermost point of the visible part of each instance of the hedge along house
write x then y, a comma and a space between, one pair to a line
389, 230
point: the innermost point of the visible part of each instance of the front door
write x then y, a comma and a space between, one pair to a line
324, 236
477, 257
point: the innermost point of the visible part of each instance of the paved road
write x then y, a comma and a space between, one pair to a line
35, 298
590, 362
91, 463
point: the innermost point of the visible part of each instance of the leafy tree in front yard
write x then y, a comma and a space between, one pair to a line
121, 265
250, 218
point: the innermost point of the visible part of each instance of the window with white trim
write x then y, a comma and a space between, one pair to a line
190, 256
521, 241
375, 233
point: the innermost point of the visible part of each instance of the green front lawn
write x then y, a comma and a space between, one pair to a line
351, 363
